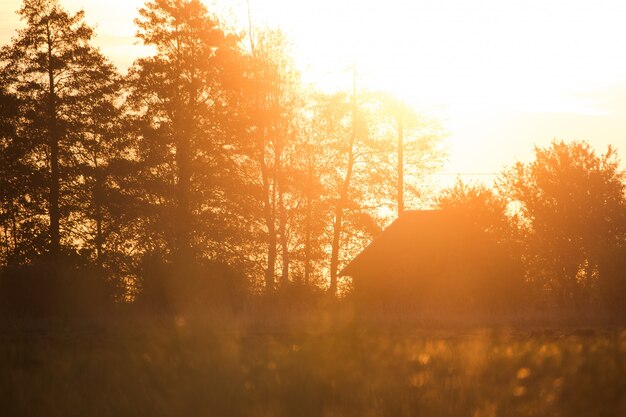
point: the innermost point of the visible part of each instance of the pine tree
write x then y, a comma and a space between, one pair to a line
181, 97
58, 78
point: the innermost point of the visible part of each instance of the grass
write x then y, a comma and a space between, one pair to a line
179, 368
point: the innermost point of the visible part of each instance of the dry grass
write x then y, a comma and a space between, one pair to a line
178, 368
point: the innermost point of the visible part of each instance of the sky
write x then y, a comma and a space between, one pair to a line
503, 76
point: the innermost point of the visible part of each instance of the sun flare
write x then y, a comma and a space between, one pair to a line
554, 65
244, 207
471, 63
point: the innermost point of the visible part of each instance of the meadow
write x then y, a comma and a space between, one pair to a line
182, 367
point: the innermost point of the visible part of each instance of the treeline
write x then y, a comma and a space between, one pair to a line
208, 161
210, 171
561, 220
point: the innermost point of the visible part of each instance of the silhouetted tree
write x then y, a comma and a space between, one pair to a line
417, 147
483, 206
494, 273
57, 76
572, 203
342, 199
181, 100
14, 243
99, 155
373, 180
204, 153
312, 162
275, 101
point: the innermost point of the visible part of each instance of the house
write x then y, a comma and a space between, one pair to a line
436, 259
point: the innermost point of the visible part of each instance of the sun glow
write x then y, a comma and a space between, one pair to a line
500, 75
475, 65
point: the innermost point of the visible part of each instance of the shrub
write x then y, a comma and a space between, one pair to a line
194, 287
56, 288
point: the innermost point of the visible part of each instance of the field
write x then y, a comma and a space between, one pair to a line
180, 368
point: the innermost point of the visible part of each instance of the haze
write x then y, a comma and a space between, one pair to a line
501, 76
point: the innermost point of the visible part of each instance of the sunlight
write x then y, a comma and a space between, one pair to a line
462, 61
244, 207
482, 56
115, 30
459, 61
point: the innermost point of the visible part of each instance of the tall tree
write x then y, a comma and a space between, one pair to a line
274, 104
572, 202
344, 192
55, 73
313, 163
417, 140
181, 95
379, 175
11, 168
101, 145
400, 114
320, 163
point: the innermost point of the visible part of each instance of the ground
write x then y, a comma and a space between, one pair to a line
179, 368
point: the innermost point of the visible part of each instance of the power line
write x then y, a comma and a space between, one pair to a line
493, 174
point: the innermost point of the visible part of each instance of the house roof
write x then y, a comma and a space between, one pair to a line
416, 237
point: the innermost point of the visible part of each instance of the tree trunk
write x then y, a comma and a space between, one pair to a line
334, 255
400, 165
97, 201
307, 227
278, 181
53, 143
339, 210
338, 225
268, 212
183, 214
185, 108
282, 218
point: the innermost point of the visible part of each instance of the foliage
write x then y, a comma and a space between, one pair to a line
197, 288
573, 204
65, 89
211, 168
181, 98
497, 283
484, 206
68, 289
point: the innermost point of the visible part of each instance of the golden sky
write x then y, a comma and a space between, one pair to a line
502, 75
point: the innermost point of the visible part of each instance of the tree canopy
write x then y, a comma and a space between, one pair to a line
212, 166
572, 203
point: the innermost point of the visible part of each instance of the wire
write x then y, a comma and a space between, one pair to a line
467, 173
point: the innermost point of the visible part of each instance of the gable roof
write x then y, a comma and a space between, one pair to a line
431, 234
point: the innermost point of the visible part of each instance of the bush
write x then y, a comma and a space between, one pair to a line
194, 287
56, 288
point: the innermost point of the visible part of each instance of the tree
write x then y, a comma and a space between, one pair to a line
497, 279
275, 101
57, 76
417, 149
181, 97
344, 191
387, 143
13, 245
99, 154
315, 160
483, 206
572, 203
